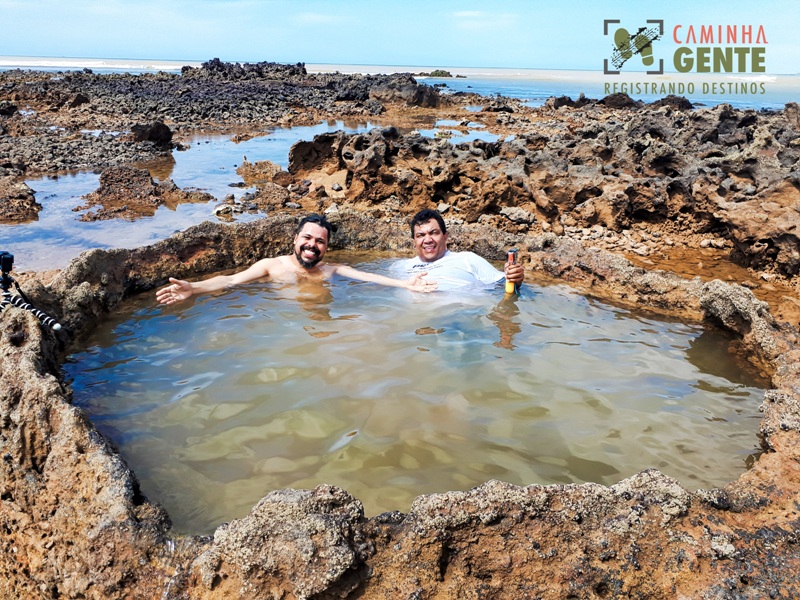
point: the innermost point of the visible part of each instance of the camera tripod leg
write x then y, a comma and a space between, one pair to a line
20, 303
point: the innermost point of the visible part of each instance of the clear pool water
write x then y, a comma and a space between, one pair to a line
390, 394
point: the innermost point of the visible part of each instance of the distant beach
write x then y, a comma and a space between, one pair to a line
532, 85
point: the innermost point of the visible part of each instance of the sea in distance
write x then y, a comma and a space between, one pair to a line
534, 86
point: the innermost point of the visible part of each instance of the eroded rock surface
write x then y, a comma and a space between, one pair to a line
128, 192
582, 183
17, 201
76, 525
728, 174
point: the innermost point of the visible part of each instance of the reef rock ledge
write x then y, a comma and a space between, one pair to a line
75, 524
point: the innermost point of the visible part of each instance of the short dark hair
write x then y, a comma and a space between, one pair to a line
317, 220
425, 215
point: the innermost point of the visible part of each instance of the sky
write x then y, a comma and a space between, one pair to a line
530, 34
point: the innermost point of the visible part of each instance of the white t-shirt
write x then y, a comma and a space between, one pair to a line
453, 270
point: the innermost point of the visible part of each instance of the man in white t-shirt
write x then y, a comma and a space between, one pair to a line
450, 270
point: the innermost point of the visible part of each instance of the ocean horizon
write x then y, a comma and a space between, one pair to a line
534, 86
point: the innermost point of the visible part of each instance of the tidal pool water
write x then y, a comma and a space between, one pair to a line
390, 394
209, 164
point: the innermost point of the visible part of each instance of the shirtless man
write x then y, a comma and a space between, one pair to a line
310, 244
450, 270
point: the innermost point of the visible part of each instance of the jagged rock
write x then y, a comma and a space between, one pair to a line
678, 102
260, 172
7, 108
619, 100
17, 201
712, 169
76, 524
157, 132
129, 192
404, 88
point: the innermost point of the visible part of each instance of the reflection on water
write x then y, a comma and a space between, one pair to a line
459, 132
388, 394
210, 164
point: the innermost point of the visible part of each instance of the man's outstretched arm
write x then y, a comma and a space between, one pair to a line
417, 283
180, 290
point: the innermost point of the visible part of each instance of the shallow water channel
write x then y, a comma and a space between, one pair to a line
209, 164
390, 394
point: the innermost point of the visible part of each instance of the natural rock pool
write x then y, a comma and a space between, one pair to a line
216, 402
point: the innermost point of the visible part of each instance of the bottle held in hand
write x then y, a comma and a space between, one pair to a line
511, 287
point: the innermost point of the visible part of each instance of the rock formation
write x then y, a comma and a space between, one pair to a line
574, 185
127, 192
76, 525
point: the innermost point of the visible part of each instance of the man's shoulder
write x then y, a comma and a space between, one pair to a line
284, 261
276, 265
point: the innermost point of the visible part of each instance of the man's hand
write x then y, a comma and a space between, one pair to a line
515, 273
177, 292
418, 283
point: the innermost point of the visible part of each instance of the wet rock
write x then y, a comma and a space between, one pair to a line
77, 100
72, 505
276, 540
222, 210
7, 108
556, 103
404, 88
128, 192
17, 201
257, 173
678, 102
619, 100
158, 133
498, 107
271, 195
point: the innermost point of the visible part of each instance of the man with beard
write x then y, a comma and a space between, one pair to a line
310, 244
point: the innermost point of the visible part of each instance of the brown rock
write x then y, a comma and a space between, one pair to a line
17, 201
128, 192
257, 173
75, 523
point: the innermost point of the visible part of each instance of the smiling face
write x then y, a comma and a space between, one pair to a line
310, 245
430, 241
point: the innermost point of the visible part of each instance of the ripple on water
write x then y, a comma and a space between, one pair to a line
216, 402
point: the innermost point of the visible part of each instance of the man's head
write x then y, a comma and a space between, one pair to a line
311, 240
429, 234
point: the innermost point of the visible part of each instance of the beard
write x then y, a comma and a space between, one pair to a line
308, 264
